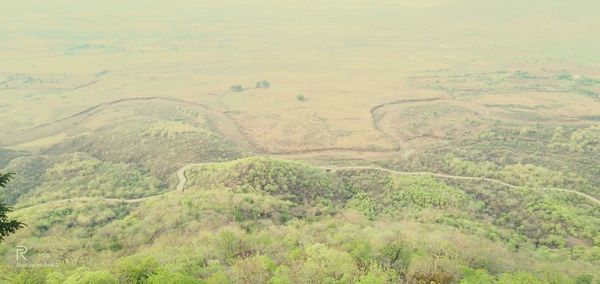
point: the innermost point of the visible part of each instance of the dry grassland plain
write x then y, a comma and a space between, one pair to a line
344, 59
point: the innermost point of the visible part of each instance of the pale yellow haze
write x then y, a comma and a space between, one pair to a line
344, 57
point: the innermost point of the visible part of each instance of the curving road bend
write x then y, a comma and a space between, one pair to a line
183, 181
589, 197
230, 130
181, 174
222, 122
419, 174
105, 199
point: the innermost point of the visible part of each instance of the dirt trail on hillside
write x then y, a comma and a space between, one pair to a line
229, 129
183, 178
78, 199
221, 122
377, 116
224, 124
589, 197
183, 181
419, 174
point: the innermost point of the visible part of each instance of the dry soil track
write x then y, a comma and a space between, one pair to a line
223, 123
230, 130
183, 181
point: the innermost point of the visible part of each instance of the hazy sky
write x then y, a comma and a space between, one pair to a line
541, 28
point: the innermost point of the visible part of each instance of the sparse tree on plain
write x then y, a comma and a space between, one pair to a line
264, 84
236, 88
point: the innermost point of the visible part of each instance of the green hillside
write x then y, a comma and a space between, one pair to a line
260, 220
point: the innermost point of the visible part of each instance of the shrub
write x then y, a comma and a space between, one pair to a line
256, 269
137, 270
236, 88
477, 276
95, 277
170, 277
264, 84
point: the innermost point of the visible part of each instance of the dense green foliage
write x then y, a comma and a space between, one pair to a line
7, 225
261, 220
298, 182
45, 178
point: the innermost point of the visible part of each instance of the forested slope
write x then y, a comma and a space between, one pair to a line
260, 220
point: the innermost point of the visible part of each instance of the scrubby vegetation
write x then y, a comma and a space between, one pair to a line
264, 84
298, 182
261, 220
47, 178
158, 142
509, 81
236, 88
99, 209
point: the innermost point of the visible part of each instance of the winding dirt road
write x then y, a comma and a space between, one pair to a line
105, 199
183, 179
419, 174
376, 117
181, 174
221, 120
222, 123
589, 197
231, 131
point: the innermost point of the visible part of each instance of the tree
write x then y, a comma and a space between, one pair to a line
82, 275
164, 276
479, 276
7, 226
256, 269
236, 88
264, 84
137, 269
